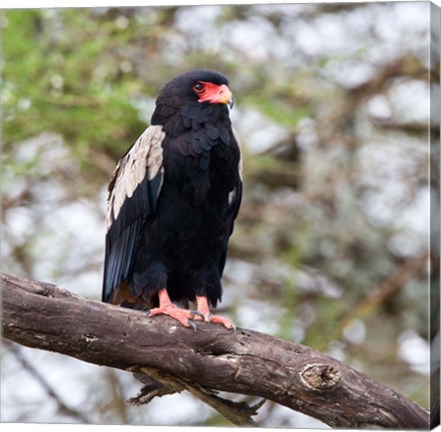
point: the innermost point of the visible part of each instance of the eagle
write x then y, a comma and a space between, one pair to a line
172, 202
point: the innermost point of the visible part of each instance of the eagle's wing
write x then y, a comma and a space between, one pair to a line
234, 201
133, 194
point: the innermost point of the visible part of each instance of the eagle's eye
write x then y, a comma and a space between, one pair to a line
199, 88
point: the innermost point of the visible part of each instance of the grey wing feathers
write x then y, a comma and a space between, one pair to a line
133, 193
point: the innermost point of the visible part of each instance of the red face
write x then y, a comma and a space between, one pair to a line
213, 93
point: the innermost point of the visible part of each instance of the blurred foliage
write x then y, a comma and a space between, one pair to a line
331, 107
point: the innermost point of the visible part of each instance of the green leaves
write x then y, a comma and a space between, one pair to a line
59, 78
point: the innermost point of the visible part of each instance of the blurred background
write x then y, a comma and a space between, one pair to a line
330, 246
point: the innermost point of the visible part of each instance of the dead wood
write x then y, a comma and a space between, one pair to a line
204, 362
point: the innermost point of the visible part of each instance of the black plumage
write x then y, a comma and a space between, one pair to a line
173, 199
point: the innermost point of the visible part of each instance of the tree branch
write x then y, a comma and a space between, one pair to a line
51, 392
41, 315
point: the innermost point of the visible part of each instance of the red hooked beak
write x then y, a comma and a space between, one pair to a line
216, 94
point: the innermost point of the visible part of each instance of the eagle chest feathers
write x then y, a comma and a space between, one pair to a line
202, 160
173, 199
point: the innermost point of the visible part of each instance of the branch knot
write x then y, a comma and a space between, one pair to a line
320, 377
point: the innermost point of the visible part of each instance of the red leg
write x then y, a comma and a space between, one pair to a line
203, 308
166, 307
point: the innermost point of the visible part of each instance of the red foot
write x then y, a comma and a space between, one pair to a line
205, 315
166, 307
181, 315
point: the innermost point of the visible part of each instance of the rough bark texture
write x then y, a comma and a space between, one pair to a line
41, 315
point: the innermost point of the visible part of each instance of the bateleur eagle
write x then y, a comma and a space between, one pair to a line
172, 201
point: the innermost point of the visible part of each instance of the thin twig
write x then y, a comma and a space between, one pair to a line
62, 407
387, 289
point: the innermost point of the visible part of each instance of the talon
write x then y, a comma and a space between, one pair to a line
207, 316
224, 321
193, 325
181, 315
166, 307
203, 317
197, 314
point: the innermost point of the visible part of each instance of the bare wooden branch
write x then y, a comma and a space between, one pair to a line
41, 315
